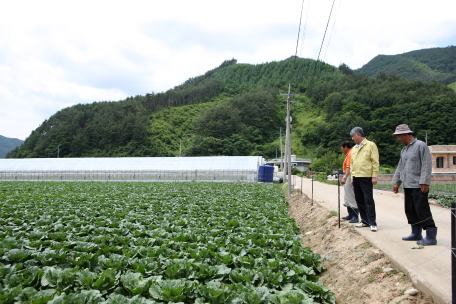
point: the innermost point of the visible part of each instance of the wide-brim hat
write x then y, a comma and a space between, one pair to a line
402, 129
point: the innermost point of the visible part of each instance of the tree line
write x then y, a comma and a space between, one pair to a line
247, 114
378, 105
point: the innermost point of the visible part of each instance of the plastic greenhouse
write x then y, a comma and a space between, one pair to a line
216, 168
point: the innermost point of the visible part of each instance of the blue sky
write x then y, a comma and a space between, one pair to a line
54, 54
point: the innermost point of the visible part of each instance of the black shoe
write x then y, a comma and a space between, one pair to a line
355, 218
415, 235
349, 216
431, 237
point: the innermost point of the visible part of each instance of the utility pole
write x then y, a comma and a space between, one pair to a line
281, 152
285, 158
180, 147
288, 137
426, 138
58, 151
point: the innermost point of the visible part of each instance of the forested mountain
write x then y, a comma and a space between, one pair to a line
7, 144
425, 65
123, 128
236, 109
378, 105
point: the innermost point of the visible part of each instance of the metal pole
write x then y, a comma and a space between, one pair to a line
289, 139
281, 152
453, 250
285, 157
312, 189
180, 147
338, 197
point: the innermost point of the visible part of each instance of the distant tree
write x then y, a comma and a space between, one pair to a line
345, 69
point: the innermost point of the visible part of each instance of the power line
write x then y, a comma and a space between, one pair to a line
297, 42
332, 30
305, 28
313, 74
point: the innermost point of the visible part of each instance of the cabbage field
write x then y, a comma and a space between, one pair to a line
108, 242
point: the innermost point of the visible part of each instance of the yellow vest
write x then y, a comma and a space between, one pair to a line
365, 160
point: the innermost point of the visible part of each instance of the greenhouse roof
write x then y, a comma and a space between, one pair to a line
213, 163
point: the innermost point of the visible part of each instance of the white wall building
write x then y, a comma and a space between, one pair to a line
213, 168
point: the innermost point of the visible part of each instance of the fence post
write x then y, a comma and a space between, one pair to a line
453, 250
312, 189
338, 198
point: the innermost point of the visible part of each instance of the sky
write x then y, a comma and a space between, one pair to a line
55, 54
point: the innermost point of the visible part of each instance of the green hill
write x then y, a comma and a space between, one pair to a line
136, 126
424, 65
7, 144
236, 109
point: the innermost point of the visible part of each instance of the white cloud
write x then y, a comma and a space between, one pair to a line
54, 54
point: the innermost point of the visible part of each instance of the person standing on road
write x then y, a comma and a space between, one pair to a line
364, 166
414, 172
349, 194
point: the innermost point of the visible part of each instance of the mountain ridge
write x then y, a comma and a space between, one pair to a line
437, 64
236, 109
7, 144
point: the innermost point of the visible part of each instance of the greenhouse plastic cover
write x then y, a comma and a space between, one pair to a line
210, 163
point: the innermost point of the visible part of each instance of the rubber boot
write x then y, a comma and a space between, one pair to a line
416, 234
349, 216
355, 218
431, 237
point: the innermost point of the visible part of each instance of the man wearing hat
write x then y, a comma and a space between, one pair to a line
414, 172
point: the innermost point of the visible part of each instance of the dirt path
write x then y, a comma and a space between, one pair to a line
356, 272
429, 268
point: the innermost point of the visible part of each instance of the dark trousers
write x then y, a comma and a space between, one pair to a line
417, 208
364, 197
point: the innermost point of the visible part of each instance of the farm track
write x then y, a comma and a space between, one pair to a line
430, 267
355, 268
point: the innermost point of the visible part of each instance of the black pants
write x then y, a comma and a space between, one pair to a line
364, 197
417, 208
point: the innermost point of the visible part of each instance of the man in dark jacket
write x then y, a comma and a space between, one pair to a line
414, 172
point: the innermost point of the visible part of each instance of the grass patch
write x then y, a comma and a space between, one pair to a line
434, 189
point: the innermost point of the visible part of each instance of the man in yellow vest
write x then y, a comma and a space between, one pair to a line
364, 167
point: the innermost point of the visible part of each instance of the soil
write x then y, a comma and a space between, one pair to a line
356, 271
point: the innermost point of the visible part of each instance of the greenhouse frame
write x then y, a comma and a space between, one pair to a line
142, 169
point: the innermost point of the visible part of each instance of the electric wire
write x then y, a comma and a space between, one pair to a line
316, 63
452, 250
297, 41
305, 29
332, 30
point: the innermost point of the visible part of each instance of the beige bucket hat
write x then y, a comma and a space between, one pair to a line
402, 129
